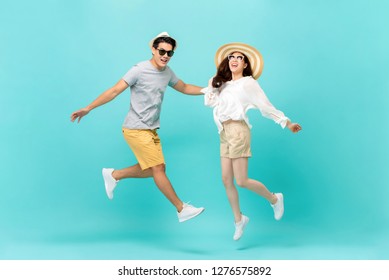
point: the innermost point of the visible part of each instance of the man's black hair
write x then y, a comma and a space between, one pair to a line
167, 40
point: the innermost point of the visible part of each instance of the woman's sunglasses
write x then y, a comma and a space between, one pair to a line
239, 57
163, 52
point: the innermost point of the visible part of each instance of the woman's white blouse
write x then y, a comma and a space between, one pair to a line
234, 98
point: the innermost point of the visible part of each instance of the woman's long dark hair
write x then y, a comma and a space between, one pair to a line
224, 74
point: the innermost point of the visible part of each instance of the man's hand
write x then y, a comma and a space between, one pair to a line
79, 114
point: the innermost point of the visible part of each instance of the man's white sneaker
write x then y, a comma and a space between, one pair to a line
188, 212
239, 227
109, 182
278, 207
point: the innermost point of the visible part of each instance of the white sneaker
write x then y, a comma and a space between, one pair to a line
188, 212
109, 182
278, 207
239, 227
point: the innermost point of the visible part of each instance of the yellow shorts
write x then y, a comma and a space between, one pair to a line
235, 140
146, 146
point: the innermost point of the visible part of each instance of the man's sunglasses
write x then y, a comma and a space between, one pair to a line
163, 52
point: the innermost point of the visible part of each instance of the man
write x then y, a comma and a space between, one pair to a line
148, 81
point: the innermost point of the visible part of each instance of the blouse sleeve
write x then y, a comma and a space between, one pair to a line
258, 99
211, 95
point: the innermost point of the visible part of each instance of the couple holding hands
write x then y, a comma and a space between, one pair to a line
231, 92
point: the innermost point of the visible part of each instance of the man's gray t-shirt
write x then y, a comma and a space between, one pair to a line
148, 85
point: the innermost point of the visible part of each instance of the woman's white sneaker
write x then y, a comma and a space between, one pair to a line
239, 227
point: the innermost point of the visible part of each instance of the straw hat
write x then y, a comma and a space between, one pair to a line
250, 52
162, 34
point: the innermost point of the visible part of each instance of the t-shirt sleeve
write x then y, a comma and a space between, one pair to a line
131, 77
173, 79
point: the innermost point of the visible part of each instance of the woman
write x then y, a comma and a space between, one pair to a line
232, 92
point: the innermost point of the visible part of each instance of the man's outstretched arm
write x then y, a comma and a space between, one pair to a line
187, 89
103, 98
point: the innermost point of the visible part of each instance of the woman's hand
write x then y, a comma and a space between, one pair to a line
294, 127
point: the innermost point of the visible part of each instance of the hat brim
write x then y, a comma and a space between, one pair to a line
253, 55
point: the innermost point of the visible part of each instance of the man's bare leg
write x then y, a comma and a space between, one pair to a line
164, 185
132, 172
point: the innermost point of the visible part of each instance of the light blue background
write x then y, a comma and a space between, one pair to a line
326, 67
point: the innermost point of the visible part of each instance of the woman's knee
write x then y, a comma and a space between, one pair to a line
242, 182
227, 181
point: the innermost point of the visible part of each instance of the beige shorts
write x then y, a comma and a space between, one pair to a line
235, 140
146, 146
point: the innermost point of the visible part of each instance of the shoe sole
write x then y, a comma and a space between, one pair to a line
105, 185
186, 219
282, 214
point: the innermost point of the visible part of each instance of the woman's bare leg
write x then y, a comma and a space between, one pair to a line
231, 191
240, 167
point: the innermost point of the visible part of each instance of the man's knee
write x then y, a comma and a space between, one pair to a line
158, 168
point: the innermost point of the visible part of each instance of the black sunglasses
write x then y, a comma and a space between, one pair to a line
163, 52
